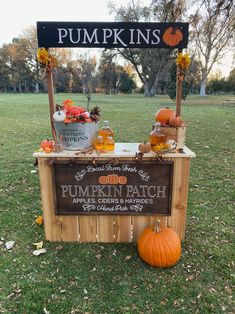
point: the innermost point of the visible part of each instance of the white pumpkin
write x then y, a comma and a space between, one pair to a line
172, 144
59, 116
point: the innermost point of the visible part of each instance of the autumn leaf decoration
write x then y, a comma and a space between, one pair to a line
46, 59
39, 220
183, 62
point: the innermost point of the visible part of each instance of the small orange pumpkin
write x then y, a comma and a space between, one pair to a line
47, 146
172, 36
176, 121
164, 115
159, 247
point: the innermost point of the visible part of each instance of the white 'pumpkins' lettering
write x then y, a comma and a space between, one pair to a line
109, 36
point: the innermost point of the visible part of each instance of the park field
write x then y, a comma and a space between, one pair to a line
102, 278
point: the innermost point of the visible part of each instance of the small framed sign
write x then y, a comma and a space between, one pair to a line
112, 34
127, 188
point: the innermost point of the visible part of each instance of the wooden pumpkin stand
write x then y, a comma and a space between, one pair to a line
62, 224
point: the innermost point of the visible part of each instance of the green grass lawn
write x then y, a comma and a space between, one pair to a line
69, 278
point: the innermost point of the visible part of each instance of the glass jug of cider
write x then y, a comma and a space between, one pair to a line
157, 137
106, 130
109, 144
99, 143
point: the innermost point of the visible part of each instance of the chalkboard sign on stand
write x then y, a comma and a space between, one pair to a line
96, 226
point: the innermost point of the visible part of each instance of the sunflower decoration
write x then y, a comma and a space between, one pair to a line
46, 59
183, 62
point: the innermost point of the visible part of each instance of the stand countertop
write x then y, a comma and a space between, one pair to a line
122, 150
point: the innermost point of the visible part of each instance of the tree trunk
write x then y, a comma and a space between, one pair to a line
146, 89
37, 87
154, 86
203, 87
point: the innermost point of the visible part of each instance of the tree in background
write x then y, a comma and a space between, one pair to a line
149, 64
17, 72
126, 83
213, 30
231, 80
108, 72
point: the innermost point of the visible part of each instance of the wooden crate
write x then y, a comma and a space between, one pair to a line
176, 134
112, 228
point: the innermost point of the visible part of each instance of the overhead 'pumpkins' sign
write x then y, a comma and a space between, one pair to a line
142, 188
112, 35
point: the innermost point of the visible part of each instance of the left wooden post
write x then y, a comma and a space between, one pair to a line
50, 88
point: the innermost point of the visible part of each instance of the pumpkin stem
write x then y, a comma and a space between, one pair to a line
157, 226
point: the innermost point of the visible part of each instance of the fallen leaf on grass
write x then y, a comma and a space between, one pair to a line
176, 302
189, 278
33, 171
39, 252
38, 245
9, 245
98, 256
128, 257
45, 311
39, 220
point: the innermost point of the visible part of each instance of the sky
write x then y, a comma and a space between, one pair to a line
17, 15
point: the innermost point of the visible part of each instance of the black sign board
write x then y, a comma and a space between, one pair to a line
112, 35
127, 188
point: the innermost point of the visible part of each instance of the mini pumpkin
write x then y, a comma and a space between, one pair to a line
159, 247
144, 147
59, 116
176, 121
172, 36
47, 145
164, 115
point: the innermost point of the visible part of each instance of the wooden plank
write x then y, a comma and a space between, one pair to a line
88, 228
52, 223
153, 219
179, 83
105, 228
177, 220
69, 228
50, 88
123, 232
139, 223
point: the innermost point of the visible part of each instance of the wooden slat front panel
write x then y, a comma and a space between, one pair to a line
105, 228
179, 196
153, 219
139, 224
52, 223
123, 229
88, 228
70, 230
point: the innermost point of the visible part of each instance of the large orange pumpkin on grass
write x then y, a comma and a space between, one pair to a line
164, 115
172, 36
159, 247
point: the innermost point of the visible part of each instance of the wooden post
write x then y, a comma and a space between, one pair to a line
50, 88
179, 83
